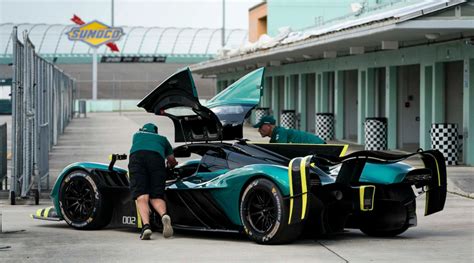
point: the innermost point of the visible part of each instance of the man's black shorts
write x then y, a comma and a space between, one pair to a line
147, 174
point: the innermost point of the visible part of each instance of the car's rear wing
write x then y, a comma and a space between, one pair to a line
293, 150
353, 164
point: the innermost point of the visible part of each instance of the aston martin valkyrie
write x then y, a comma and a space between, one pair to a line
273, 193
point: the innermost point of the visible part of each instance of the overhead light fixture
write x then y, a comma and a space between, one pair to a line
432, 36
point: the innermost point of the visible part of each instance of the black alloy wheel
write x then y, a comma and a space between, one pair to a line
82, 203
262, 213
78, 199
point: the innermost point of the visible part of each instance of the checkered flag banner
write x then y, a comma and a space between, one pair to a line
325, 126
444, 138
260, 112
375, 134
288, 119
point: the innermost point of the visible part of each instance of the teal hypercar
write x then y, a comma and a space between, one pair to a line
270, 192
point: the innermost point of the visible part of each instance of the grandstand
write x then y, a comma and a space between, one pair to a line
147, 55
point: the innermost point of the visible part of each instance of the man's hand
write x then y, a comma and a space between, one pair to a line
171, 161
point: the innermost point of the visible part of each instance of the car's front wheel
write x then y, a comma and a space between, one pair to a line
264, 214
82, 204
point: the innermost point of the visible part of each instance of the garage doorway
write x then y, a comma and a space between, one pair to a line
408, 107
379, 92
350, 105
331, 85
311, 103
454, 96
281, 96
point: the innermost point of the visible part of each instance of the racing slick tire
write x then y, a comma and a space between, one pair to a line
264, 214
82, 204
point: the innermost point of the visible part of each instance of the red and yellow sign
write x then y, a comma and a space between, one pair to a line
95, 33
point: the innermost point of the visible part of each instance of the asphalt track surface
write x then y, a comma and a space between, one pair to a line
447, 236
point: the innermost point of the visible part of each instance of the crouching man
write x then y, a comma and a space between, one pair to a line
267, 128
147, 171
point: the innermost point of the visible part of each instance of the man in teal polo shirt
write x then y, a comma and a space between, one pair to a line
148, 176
267, 128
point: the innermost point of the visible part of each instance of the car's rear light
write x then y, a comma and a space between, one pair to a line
366, 195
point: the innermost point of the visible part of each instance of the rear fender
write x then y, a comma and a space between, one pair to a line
226, 189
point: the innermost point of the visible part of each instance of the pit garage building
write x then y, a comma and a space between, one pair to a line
409, 61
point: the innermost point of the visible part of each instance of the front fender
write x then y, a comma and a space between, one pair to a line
87, 166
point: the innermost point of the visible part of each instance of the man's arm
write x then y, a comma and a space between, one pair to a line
281, 136
170, 159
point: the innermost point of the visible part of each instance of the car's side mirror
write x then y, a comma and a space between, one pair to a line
113, 158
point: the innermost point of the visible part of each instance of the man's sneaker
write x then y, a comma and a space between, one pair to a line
167, 228
146, 232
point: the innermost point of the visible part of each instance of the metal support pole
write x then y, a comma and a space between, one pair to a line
94, 74
223, 23
112, 15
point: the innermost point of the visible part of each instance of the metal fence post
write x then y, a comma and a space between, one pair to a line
3, 154
42, 99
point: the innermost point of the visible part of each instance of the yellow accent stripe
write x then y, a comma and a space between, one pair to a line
437, 170
290, 175
139, 218
38, 212
344, 150
312, 144
304, 187
46, 212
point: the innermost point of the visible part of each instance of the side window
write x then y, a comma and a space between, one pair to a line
213, 161
238, 160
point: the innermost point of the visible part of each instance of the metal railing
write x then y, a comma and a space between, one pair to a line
42, 106
52, 40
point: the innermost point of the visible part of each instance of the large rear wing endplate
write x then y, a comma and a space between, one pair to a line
353, 164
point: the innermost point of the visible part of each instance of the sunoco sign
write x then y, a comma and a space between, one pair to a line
95, 33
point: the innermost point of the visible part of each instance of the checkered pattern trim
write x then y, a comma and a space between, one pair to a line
288, 120
260, 112
444, 137
325, 126
375, 135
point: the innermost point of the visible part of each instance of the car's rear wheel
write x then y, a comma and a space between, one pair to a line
82, 204
264, 214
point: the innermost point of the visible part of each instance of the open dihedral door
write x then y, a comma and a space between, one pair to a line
177, 98
221, 119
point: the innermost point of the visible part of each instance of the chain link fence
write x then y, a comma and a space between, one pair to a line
42, 106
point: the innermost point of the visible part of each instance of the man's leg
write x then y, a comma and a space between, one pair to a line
159, 205
144, 210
